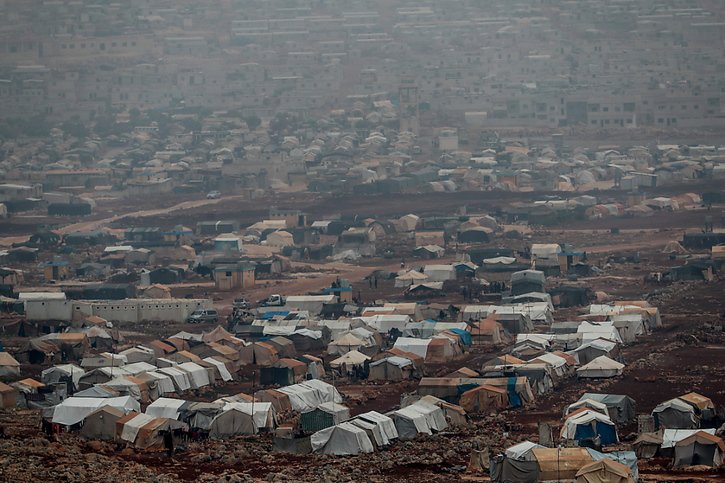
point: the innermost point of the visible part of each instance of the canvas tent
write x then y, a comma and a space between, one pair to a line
484, 399
700, 449
560, 463
165, 407
418, 418
604, 471
621, 408
675, 414
307, 395
588, 424
101, 423
179, 378
323, 416
75, 409
522, 451
342, 439
601, 367
350, 360
198, 375
9, 367
384, 430
164, 384
62, 372
392, 368
345, 344
589, 404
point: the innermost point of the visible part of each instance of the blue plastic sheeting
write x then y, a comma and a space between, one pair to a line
627, 458
277, 313
464, 335
607, 434
514, 398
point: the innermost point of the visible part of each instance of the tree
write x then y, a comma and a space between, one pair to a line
253, 122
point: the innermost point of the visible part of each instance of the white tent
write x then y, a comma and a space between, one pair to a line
675, 414
75, 409
165, 407
342, 439
55, 373
262, 412
198, 375
383, 430
351, 359
138, 368
522, 451
670, 437
384, 322
433, 415
164, 383
410, 344
440, 273
223, 371
133, 425
345, 344
180, 378
598, 330
306, 396
409, 422
412, 277
588, 403
571, 428
601, 367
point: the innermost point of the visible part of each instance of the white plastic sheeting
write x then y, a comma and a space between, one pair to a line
132, 426
53, 374
75, 409
342, 439
262, 413
306, 396
180, 378
522, 451
384, 430
223, 371
410, 344
165, 407
164, 383
198, 376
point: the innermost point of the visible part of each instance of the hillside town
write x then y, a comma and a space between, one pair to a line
392, 241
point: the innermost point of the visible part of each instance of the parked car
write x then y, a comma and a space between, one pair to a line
241, 303
213, 195
203, 316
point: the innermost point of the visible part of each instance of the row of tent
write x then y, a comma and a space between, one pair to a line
371, 430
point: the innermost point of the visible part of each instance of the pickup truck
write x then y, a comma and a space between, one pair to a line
275, 300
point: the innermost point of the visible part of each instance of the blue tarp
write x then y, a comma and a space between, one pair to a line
275, 313
627, 458
607, 434
514, 398
464, 335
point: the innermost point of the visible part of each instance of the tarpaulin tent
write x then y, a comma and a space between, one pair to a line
180, 378
165, 407
220, 367
700, 449
8, 396
621, 408
508, 470
385, 431
279, 400
230, 423
62, 372
483, 399
75, 409
409, 423
199, 415
349, 360
131, 386
342, 439
627, 458
560, 463
263, 413
589, 404
151, 436
418, 347
164, 384
604, 471
601, 367
454, 414
133, 425
306, 396
670, 437
323, 416
675, 414
391, 368
522, 451
198, 375
101, 423
343, 345
589, 424
99, 390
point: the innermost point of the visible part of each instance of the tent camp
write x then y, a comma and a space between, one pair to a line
621, 408
675, 414
604, 471
101, 423
345, 344
75, 409
585, 424
600, 368
700, 449
342, 439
